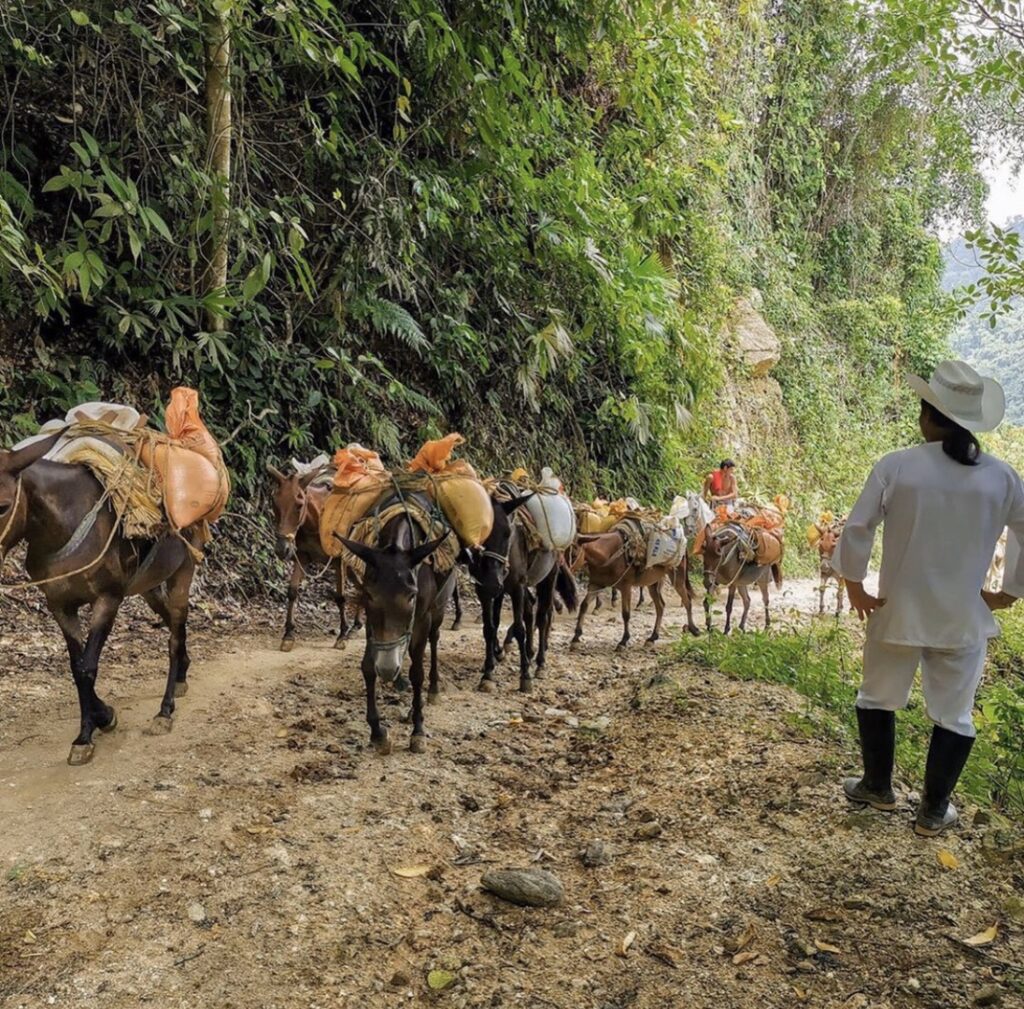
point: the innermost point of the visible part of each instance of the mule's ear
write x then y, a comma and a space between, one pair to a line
21, 458
276, 473
513, 503
307, 478
368, 555
419, 554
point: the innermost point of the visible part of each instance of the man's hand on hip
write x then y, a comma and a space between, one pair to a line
862, 601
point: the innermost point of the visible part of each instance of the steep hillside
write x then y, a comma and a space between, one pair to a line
533, 224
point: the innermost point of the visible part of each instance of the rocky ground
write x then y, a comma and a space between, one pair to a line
263, 855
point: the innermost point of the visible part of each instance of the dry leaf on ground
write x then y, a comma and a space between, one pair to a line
984, 938
409, 871
948, 860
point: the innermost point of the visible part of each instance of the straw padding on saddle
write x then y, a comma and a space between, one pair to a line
635, 533
368, 529
112, 455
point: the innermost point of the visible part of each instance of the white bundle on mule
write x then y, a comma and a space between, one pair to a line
666, 544
552, 512
116, 415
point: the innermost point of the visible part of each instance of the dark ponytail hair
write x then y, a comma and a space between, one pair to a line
957, 442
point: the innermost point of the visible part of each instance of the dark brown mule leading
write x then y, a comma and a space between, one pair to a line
75, 547
723, 554
297, 508
404, 600
608, 567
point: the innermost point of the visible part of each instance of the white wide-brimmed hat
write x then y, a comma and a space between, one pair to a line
958, 392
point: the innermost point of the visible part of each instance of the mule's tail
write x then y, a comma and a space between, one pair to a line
777, 575
565, 586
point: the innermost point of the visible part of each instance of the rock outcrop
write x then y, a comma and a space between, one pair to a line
758, 346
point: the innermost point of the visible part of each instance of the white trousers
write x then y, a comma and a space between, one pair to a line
949, 680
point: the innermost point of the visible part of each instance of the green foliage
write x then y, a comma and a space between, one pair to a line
525, 222
822, 664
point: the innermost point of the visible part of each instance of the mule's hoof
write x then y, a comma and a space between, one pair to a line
538, 673
160, 726
383, 745
340, 641
181, 688
81, 753
112, 724
287, 644
694, 630
418, 744
487, 686
457, 625
433, 696
574, 644
652, 639
526, 687
499, 655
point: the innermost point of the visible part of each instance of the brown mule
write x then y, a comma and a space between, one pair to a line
826, 548
297, 508
724, 564
604, 555
78, 554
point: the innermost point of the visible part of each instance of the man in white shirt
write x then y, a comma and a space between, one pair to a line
943, 506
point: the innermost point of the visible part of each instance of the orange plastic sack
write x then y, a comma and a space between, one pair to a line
769, 547
462, 497
193, 488
187, 484
434, 455
358, 483
354, 462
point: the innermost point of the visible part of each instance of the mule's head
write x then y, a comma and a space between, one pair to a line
14, 503
389, 591
488, 566
290, 499
827, 544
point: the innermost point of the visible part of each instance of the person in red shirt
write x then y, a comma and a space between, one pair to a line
720, 486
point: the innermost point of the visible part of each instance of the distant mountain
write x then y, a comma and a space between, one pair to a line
999, 351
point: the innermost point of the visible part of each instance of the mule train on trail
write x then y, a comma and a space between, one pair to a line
110, 508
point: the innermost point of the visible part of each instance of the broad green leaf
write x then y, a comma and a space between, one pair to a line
254, 283
158, 222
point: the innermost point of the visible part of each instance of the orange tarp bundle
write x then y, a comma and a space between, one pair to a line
191, 468
359, 481
354, 462
766, 527
462, 497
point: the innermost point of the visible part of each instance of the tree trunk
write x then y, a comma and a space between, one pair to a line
218, 140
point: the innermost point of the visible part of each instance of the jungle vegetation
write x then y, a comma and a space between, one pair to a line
380, 221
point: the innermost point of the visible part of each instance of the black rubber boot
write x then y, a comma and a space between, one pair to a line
947, 756
878, 748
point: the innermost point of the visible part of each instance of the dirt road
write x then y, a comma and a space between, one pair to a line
248, 858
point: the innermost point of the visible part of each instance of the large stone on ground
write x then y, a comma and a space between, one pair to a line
526, 887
